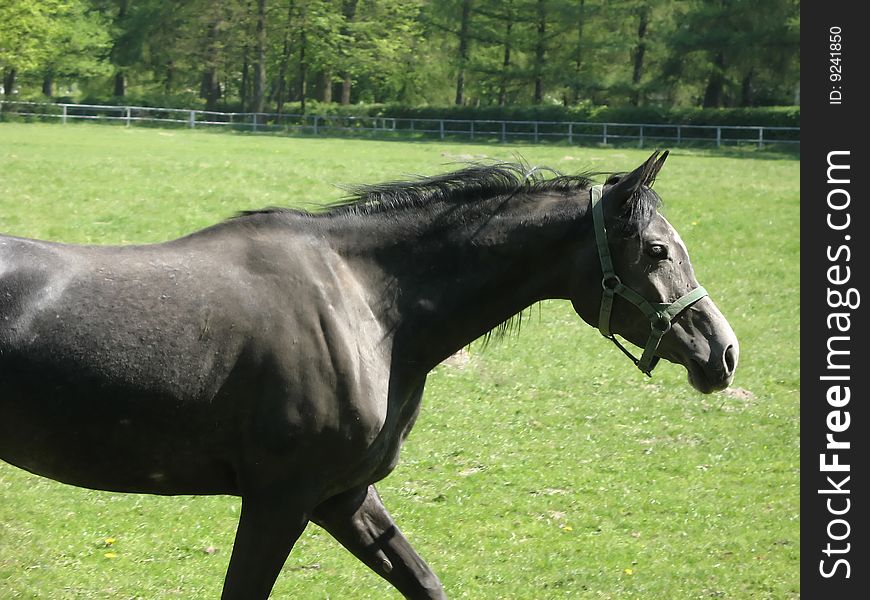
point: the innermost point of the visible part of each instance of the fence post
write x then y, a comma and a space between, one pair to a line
316, 119
761, 137
503, 132
640, 138
570, 133
471, 129
718, 137
441, 128
679, 134
536, 132
63, 118
604, 135
191, 119
254, 122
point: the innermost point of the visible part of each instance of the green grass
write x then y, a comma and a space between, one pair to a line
544, 467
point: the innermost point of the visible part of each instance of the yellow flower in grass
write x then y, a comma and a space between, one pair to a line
629, 571
110, 555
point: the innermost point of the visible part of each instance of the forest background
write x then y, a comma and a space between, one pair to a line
508, 57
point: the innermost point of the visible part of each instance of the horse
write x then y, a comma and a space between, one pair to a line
281, 355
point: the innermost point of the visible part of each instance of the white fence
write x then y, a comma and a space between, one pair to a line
477, 129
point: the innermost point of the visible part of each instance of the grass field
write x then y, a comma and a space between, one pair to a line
542, 466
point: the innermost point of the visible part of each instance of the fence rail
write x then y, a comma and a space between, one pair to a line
572, 132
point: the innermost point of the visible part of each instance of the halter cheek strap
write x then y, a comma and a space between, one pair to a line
660, 315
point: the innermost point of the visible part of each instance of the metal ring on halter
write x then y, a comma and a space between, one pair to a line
614, 279
661, 324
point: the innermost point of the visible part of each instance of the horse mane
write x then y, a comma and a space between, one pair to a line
474, 183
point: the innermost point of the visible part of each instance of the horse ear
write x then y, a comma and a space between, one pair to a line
625, 186
650, 176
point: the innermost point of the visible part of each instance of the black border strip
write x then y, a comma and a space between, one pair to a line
834, 302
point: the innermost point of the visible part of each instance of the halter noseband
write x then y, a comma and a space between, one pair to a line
659, 314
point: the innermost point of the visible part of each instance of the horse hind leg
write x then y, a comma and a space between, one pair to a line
361, 523
266, 533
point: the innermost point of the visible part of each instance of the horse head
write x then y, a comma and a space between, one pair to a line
648, 291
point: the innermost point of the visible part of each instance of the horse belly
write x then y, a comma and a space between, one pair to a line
111, 438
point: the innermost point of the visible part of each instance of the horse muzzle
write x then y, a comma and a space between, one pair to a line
710, 348
715, 374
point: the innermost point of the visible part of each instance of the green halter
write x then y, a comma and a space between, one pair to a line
660, 315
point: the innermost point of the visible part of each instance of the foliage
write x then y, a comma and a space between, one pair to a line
768, 116
26, 28
718, 44
500, 53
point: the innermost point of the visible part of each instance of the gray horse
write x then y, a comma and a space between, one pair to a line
281, 355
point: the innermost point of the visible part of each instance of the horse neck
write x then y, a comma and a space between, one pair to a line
442, 279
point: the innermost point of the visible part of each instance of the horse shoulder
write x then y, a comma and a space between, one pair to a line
324, 353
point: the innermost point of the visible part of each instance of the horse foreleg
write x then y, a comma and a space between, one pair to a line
266, 534
360, 522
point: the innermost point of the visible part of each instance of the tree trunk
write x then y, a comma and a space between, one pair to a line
463, 51
9, 82
245, 84
48, 85
285, 58
578, 54
327, 87
169, 80
345, 89
303, 65
747, 89
506, 62
259, 91
348, 10
540, 52
210, 88
715, 91
638, 54
120, 84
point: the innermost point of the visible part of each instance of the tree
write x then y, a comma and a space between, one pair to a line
79, 47
210, 88
126, 49
260, 59
638, 53
726, 47
348, 11
255, 54
464, 44
25, 37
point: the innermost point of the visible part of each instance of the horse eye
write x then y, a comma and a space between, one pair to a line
657, 251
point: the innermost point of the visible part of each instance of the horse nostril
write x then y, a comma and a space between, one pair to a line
730, 360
